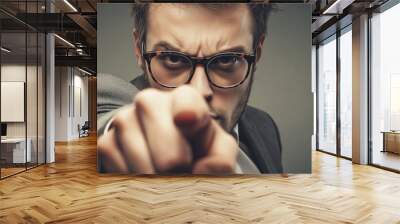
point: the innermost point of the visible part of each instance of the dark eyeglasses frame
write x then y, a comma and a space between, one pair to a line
148, 56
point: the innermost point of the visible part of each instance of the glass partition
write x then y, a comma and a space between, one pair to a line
41, 96
327, 95
14, 153
22, 78
31, 97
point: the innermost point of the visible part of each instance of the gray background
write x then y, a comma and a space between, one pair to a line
282, 85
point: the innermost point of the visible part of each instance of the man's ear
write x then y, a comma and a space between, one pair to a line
259, 47
137, 49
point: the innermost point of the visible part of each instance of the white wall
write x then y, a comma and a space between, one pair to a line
80, 96
12, 73
62, 81
70, 83
16, 73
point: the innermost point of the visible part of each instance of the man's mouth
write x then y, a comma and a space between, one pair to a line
215, 116
218, 118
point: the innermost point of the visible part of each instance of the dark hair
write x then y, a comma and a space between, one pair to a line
259, 12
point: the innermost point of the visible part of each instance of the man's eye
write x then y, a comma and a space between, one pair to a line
227, 60
174, 60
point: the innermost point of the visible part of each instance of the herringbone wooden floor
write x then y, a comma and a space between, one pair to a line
71, 191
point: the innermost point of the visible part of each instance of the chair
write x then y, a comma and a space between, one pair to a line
84, 130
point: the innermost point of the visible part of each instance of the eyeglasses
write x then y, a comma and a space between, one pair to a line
224, 70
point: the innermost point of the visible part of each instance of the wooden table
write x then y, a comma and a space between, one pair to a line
391, 141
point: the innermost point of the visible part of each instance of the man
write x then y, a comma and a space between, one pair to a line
189, 111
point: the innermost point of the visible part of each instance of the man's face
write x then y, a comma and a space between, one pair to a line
202, 31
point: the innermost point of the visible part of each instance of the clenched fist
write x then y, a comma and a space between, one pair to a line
167, 132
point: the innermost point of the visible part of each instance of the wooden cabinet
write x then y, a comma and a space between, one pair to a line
391, 142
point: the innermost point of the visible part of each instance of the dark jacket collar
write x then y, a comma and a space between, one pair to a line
140, 82
260, 140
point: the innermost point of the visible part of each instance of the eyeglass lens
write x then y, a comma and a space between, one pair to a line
173, 69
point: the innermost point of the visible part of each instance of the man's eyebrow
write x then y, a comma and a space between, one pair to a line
167, 46
238, 49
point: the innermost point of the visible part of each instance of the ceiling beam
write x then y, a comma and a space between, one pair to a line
83, 61
337, 7
86, 26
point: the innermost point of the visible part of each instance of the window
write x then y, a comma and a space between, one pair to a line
334, 106
346, 92
327, 95
385, 88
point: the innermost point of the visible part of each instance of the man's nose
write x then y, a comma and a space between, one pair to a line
200, 82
